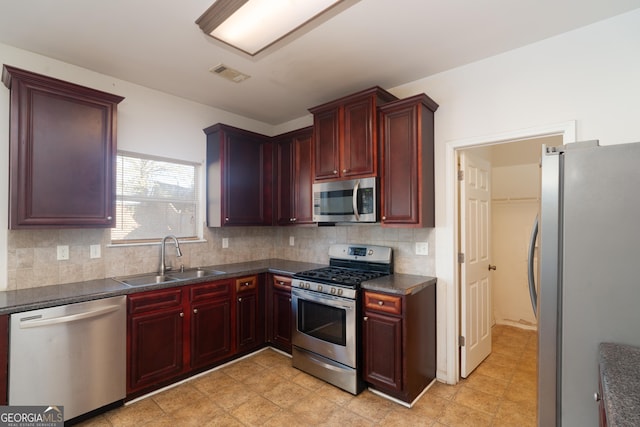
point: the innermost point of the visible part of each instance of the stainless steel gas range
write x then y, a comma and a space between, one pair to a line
327, 311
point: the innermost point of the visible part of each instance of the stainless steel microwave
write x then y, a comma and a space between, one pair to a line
345, 201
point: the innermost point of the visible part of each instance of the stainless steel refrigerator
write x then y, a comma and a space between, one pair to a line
589, 258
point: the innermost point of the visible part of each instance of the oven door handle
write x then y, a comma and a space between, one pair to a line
334, 301
355, 200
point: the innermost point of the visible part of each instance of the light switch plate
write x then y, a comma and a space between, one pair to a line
292, 241
94, 251
422, 248
225, 242
63, 252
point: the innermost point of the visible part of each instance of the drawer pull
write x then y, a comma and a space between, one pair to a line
195, 311
380, 303
181, 314
239, 299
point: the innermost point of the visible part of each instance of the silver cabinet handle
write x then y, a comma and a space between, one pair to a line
365, 318
181, 314
597, 397
239, 299
109, 218
195, 311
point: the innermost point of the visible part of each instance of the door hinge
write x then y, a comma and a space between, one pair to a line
461, 341
460, 258
460, 175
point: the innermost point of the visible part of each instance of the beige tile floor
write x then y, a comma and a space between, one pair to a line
265, 390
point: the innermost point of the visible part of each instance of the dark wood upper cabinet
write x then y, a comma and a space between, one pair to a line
62, 153
239, 177
294, 177
407, 166
346, 135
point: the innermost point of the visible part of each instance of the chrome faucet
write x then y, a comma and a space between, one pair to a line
163, 265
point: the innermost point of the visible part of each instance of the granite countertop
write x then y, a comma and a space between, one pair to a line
69, 293
620, 377
401, 284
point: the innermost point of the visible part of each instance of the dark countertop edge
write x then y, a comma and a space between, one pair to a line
620, 375
16, 301
400, 284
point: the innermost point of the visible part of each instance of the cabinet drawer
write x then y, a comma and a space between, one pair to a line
154, 300
282, 282
211, 290
384, 303
244, 284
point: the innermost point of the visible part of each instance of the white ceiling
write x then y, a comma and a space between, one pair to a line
155, 43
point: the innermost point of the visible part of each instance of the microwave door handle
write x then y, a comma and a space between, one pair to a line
355, 200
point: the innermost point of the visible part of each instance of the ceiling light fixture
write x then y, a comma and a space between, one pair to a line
253, 26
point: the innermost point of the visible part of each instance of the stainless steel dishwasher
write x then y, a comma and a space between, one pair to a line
72, 355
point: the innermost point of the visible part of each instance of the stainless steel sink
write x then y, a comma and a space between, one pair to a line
172, 276
146, 279
194, 274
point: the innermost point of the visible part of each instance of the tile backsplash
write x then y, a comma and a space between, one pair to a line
32, 254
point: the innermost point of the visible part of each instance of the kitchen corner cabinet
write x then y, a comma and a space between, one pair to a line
346, 135
294, 177
407, 162
62, 150
399, 338
279, 322
250, 331
239, 177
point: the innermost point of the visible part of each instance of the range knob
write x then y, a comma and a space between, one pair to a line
319, 288
333, 291
339, 291
307, 285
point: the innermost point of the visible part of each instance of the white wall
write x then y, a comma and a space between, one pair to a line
589, 75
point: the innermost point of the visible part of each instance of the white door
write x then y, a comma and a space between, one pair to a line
475, 293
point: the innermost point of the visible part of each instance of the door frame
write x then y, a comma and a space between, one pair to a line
448, 260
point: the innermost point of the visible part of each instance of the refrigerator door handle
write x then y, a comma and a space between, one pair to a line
532, 284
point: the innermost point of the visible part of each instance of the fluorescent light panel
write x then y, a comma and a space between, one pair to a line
254, 25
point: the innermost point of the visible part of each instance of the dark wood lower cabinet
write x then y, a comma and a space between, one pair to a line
155, 336
250, 328
211, 328
173, 333
4, 358
399, 338
279, 316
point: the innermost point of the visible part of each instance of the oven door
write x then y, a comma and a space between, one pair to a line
325, 325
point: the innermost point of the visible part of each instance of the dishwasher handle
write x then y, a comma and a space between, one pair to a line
28, 322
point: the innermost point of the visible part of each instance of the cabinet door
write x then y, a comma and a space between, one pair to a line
285, 182
210, 331
156, 348
62, 153
359, 147
4, 358
400, 198
247, 317
281, 319
303, 193
382, 338
326, 125
245, 189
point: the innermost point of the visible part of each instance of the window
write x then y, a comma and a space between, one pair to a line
155, 197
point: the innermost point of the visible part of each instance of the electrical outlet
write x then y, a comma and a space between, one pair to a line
94, 251
225, 242
422, 248
292, 241
63, 252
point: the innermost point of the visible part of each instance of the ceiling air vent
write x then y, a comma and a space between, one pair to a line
229, 73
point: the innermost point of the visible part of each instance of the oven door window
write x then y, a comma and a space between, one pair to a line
336, 202
323, 322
